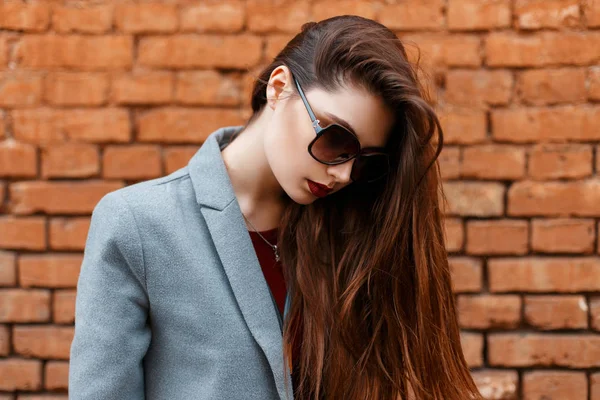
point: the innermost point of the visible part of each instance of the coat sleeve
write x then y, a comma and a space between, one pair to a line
112, 333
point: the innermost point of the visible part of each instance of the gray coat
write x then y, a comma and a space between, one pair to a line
171, 299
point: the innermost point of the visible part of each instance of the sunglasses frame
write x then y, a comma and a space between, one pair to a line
319, 130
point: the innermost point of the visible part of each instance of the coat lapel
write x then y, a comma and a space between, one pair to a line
225, 222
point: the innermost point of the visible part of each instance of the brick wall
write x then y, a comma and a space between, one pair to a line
96, 95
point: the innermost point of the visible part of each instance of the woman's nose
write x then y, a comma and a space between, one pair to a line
341, 171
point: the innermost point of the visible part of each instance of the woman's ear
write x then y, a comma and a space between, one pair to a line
278, 87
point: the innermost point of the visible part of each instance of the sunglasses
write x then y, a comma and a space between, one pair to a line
335, 144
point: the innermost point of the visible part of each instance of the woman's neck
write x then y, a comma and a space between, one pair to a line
256, 188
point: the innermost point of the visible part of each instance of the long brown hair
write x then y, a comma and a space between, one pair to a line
367, 267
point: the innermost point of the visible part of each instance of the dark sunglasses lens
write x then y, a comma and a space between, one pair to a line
335, 144
368, 168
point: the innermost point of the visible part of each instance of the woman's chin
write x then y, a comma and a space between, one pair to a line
301, 196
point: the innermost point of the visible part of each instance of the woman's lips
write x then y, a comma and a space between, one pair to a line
318, 189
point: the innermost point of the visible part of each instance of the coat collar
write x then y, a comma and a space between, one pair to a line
208, 173
223, 216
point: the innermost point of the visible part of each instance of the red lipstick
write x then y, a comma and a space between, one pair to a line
317, 189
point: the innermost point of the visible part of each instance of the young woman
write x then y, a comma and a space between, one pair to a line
324, 206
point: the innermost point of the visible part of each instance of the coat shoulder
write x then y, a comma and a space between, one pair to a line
158, 193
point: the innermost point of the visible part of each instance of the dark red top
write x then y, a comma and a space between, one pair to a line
273, 275
271, 269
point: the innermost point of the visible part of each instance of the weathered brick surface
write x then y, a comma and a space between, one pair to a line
497, 237
100, 94
563, 235
486, 312
555, 384
544, 274
547, 349
547, 312
497, 384
556, 161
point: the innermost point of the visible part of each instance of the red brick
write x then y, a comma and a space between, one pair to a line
526, 350
413, 15
208, 88
27, 233
42, 397
463, 126
472, 346
489, 311
455, 234
20, 89
19, 305
72, 160
497, 384
593, 86
556, 312
545, 49
450, 162
4, 341
178, 125
143, 88
329, 8
478, 88
570, 385
477, 15
275, 43
56, 375
482, 161
59, 197
456, 50
595, 386
17, 159
51, 126
555, 161
76, 88
576, 198
544, 274
132, 162
49, 270
88, 19
20, 374
25, 16
560, 123
563, 235
3, 51
43, 341
466, 274
591, 12
146, 18
537, 14
595, 313
191, 51
178, 157
1, 125
497, 237
276, 15
69, 233
201, 17
63, 306
552, 86
75, 51
482, 199
8, 268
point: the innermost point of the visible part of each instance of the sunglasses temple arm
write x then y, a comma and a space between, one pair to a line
313, 118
